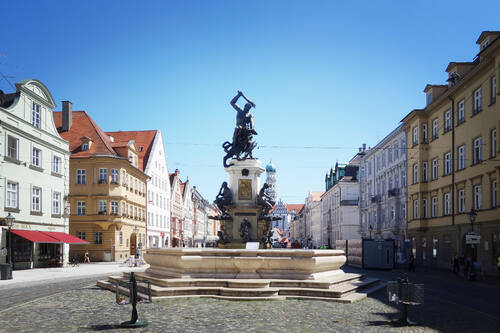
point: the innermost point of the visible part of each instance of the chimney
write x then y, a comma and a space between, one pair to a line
67, 115
364, 146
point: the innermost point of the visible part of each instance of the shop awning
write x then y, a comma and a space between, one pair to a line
48, 237
35, 236
65, 238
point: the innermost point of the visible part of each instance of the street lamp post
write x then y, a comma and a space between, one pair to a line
10, 221
371, 228
472, 217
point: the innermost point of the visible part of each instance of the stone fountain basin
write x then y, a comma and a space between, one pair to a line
291, 264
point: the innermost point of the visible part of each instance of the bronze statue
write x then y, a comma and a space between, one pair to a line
245, 230
224, 198
243, 144
265, 200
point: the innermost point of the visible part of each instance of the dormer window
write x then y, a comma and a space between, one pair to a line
429, 97
85, 146
141, 148
35, 115
485, 45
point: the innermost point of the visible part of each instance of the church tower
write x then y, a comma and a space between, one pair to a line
271, 180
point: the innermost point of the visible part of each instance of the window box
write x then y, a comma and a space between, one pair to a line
102, 212
36, 168
11, 209
56, 216
476, 111
56, 174
36, 213
115, 183
12, 160
102, 181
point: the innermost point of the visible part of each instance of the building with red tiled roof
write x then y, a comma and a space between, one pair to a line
152, 160
107, 189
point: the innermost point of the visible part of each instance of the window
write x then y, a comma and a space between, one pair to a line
415, 209
435, 128
35, 115
80, 176
477, 197
36, 199
494, 193
56, 203
477, 157
461, 157
98, 237
493, 89
12, 195
493, 136
80, 208
447, 121
435, 168
461, 201
415, 135
424, 208
396, 152
424, 171
121, 237
461, 112
424, 133
85, 146
81, 234
102, 207
434, 206
56, 164
446, 204
477, 101
435, 243
429, 98
447, 163
114, 176
12, 147
36, 159
124, 178
103, 176
114, 207
415, 173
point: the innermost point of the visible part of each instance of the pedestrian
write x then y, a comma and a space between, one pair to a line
86, 257
461, 265
456, 267
498, 265
411, 263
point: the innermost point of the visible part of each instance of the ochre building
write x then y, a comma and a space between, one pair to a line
107, 191
454, 163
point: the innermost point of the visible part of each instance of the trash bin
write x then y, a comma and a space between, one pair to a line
5, 272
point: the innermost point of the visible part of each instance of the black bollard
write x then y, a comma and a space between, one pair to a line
133, 300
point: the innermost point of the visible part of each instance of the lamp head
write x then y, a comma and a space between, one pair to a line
9, 219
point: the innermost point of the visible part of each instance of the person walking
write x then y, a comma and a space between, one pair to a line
455, 265
86, 257
411, 263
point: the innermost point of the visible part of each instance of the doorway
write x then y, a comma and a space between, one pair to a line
133, 244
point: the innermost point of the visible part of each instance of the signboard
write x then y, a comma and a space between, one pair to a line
472, 239
252, 246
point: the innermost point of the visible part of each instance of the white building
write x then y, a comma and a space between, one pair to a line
312, 219
383, 188
200, 218
188, 214
340, 203
152, 160
34, 183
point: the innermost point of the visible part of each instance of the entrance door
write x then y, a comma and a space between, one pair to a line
133, 244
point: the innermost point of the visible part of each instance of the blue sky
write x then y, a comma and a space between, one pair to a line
331, 74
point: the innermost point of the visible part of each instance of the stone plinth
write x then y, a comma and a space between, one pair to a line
245, 264
244, 181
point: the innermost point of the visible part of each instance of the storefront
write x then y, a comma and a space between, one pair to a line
33, 249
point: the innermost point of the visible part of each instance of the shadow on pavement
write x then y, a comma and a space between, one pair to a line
100, 328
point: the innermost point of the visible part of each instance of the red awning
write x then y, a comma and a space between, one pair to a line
65, 238
48, 237
35, 236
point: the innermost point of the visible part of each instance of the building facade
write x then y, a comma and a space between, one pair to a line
340, 203
107, 189
383, 189
453, 161
34, 182
176, 209
312, 219
152, 160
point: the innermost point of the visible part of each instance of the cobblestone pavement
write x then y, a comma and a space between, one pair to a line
91, 309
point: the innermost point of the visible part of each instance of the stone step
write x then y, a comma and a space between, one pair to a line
317, 284
335, 292
249, 292
123, 291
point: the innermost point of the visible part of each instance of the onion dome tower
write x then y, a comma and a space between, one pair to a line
271, 180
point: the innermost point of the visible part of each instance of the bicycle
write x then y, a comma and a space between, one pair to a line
74, 262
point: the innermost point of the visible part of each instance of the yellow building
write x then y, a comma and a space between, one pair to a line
453, 162
107, 192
